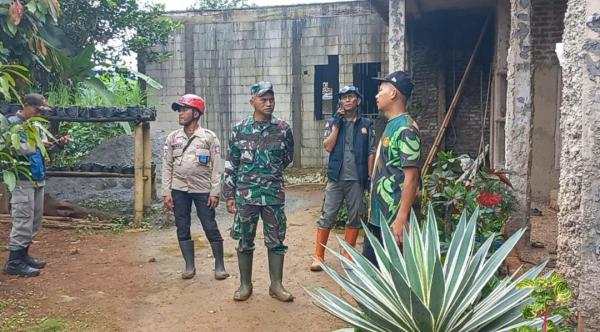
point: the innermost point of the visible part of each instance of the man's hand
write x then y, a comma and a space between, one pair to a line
213, 202
231, 205
168, 201
398, 228
338, 118
64, 140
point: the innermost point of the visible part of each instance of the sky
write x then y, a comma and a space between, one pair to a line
184, 4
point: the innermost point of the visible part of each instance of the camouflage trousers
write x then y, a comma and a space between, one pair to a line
274, 227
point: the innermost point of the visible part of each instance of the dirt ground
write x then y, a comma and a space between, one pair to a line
131, 282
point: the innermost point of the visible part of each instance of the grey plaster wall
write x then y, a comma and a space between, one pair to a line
519, 109
546, 100
579, 196
232, 49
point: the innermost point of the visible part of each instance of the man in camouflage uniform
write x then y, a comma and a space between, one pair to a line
191, 174
396, 173
260, 148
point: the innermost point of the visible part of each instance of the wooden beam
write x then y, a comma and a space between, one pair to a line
4, 199
74, 174
442, 131
147, 165
139, 177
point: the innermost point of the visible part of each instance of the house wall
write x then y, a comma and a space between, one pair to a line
219, 54
224, 52
546, 30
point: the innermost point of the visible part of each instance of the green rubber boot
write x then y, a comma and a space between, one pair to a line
276, 289
245, 265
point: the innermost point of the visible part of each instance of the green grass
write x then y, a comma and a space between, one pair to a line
49, 325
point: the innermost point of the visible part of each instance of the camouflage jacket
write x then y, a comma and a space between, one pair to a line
258, 154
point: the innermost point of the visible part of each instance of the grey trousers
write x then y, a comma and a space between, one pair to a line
335, 194
27, 209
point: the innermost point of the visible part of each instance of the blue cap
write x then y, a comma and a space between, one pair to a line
349, 89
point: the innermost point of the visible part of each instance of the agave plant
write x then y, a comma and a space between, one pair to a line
416, 291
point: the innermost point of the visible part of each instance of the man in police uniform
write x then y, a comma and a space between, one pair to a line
260, 148
350, 141
27, 199
191, 173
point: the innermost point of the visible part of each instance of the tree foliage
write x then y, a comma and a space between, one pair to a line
140, 29
221, 4
24, 31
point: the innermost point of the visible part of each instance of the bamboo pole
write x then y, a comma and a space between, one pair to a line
139, 174
442, 132
147, 165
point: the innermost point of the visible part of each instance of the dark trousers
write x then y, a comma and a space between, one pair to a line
182, 208
368, 251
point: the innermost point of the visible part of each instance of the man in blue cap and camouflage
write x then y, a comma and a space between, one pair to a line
350, 141
260, 148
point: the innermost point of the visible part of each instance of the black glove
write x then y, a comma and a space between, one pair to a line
337, 120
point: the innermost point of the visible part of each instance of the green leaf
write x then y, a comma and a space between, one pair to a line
10, 179
149, 80
31, 6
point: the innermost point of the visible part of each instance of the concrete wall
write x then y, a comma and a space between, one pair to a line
546, 30
579, 197
227, 51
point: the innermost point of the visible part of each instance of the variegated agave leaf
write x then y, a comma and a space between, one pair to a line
415, 291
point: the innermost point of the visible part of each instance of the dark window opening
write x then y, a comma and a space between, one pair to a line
329, 74
363, 74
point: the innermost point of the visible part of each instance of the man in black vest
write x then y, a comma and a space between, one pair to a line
350, 141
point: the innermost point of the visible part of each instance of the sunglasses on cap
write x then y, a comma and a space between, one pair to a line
349, 89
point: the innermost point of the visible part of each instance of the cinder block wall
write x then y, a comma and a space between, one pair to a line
232, 49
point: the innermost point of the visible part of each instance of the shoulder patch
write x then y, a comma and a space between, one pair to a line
386, 142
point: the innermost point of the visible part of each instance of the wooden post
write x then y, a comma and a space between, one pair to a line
147, 165
3, 199
139, 176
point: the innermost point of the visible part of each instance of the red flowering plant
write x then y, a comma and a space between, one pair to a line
458, 183
488, 199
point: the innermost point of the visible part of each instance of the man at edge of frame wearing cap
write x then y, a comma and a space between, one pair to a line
27, 199
396, 172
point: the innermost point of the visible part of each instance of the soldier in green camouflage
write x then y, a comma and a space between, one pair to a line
260, 148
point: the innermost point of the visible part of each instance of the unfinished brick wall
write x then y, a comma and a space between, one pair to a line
547, 25
441, 45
